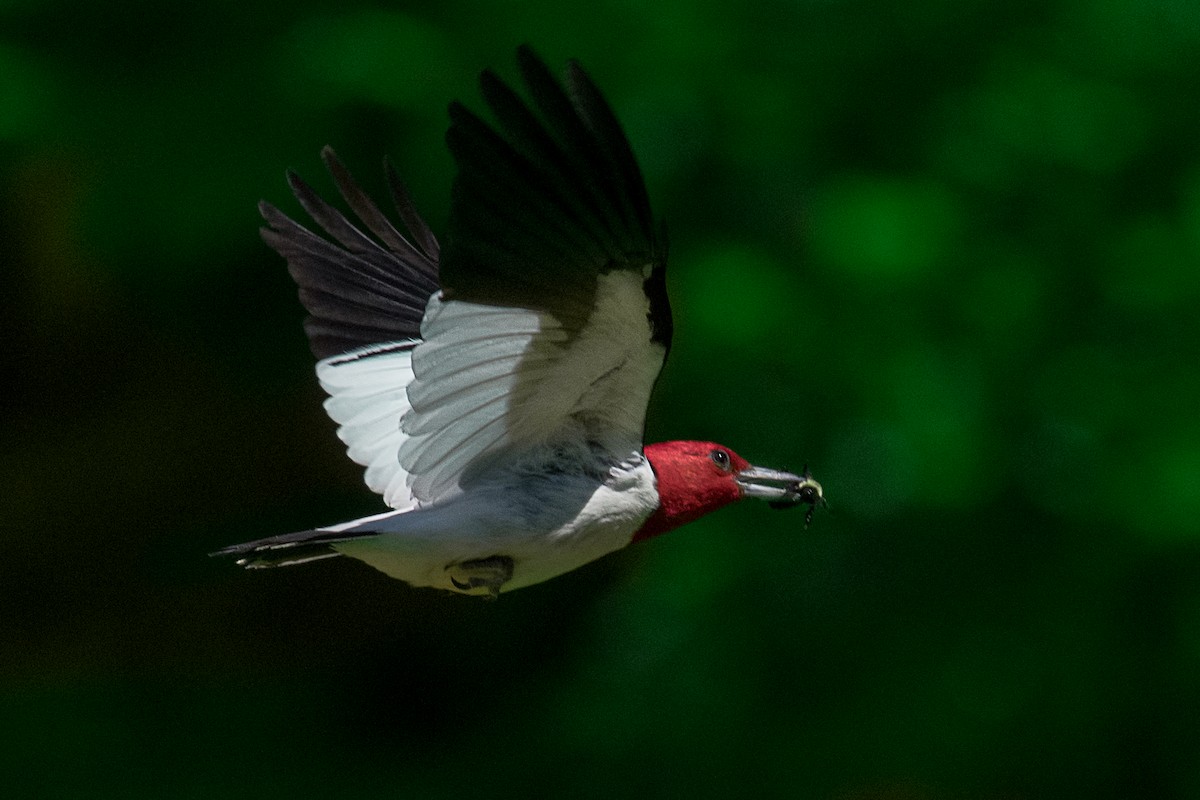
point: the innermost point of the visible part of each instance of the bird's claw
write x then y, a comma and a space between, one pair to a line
482, 573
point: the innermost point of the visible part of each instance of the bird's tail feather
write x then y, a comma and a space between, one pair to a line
289, 549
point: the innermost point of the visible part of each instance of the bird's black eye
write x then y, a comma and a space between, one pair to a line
720, 458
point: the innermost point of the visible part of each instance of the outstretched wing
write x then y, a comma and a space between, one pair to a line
552, 322
365, 298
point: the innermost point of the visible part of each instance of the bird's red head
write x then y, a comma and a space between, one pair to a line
694, 478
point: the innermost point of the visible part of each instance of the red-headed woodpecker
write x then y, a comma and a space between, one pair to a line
495, 388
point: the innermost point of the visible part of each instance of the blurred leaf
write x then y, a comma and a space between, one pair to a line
885, 229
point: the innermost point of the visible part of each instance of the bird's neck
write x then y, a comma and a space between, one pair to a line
686, 490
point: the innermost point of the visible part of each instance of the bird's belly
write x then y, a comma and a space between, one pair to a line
536, 555
542, 541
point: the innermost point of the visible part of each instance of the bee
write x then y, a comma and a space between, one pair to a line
805, 491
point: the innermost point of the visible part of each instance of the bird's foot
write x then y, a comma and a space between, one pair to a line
482, 573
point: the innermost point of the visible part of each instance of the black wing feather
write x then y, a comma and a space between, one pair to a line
562, 179
359, 293
548, 203
538, 211
599, 117
407, 211
597, 174
366, 210
532, 201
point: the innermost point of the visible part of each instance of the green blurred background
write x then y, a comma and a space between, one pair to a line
947, 253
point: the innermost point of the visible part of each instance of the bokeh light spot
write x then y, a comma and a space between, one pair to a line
884, 228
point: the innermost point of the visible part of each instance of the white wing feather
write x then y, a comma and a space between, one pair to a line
367, 397
468, 373
493, 382
489, 382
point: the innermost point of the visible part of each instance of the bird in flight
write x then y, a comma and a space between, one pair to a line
495, 385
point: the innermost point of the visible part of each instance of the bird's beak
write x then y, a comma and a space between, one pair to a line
782, 489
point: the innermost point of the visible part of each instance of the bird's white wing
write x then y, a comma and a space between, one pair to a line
492, 382
552, 322
367, 398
